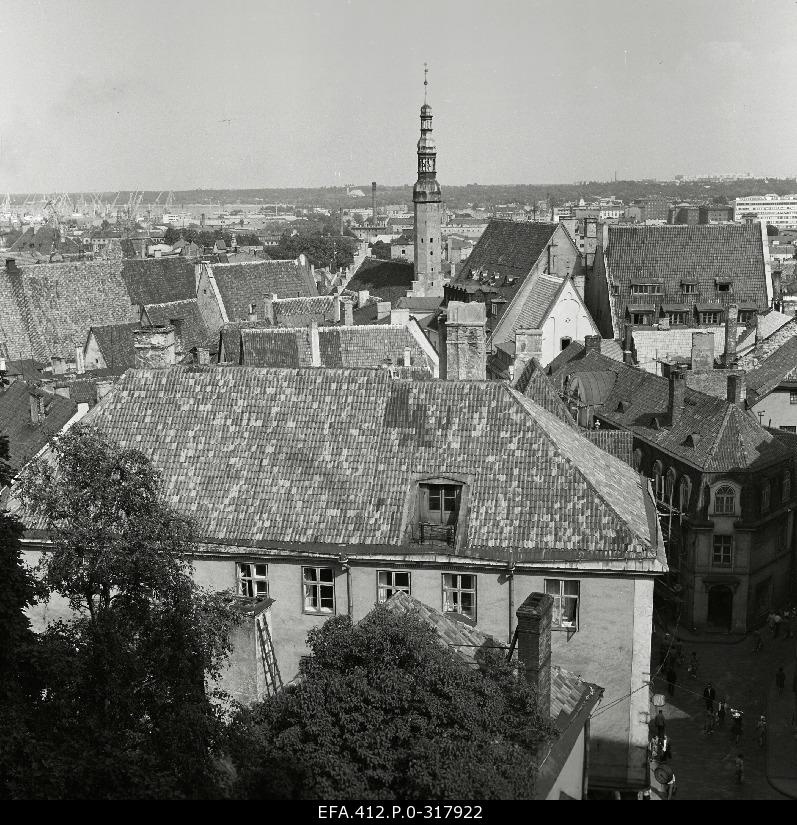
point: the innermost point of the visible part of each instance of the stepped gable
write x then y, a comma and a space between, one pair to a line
308, 457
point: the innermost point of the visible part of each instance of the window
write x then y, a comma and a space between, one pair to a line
641, 319
685, 493
459, 594
709, 317
669, 485
725, 501
766, 494
658, 480
440, 503
252, 580
688, 289
319, 589
723, 287
646, 289
746, 316
793, 397
785, 493
676, 318
565, 594
722, 552
565, 342
390, 582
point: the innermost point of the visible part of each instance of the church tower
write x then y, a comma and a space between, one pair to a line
428, 211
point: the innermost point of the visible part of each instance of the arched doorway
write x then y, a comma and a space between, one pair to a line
720, 606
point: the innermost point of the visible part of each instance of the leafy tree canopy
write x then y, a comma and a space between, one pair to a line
381, 250
384, 711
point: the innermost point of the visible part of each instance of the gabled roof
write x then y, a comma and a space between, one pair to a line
25, 438
115, 342
314, 456
729, 438
506, 251
771, 343
536, 385
673, 253
193, 332
159, 280
243, 284
780, 366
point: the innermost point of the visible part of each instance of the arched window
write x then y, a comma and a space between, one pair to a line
685, 492
766, 496
637, 459
725, 501
786, 490
669, 485
658, 479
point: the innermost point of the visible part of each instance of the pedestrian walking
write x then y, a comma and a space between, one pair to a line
736, 726
739, 768
693, 665
722, 707
758, 641
780, 680
660, 724
708, 696
777, 619
761, 731
771, 621
671, 787
672, 678
708, 723
665, 751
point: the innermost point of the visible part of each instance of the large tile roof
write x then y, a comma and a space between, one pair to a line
535, 308
700, 254
193, 331
299, 312
710, 434
159, 280
25, 438
116, 345
251, 282
769, 346
313, 456
780, 366
58, 303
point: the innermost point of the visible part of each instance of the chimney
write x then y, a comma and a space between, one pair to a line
407, 357
268, 309
80, 361
382, 310
315, 345
702, 351
348, 313
103, 388
37, 412
528, 345
11, 265
676, 395
628, 346
155, 347
736, 389
592, 343
759, 330
158, 253
373, 202
777, 290
731, 333
362, 297
58, 365
202, 355
463, 344
400, 317
336, 308
253, 312
534, 646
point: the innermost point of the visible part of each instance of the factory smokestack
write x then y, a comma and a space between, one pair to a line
373, 202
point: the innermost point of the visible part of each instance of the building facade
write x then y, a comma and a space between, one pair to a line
779, 210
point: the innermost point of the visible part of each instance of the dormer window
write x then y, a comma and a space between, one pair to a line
646, 289
440, 503
710, 318
746, 316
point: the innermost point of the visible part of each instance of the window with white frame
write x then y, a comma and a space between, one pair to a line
390, 582
722, 551
319, 589
725, 501
459, 594
252, 580
566, 593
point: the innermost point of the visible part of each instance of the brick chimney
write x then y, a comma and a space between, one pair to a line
268, 309
702, 351
592, 343
759, 330
736, 393
57, 364
731, 333
534, 645
677, 393
463, 343
11, 266
363, 296
348, 313
528, 345
628, 346
315, 345
407, 357
155, 347
382, 310
336, 308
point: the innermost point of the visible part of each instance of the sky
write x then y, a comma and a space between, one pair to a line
101, 95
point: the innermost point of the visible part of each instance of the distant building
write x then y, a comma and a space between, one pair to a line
780, 211
712, 213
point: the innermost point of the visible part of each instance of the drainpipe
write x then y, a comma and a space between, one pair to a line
511, 576
585, 767
344, 563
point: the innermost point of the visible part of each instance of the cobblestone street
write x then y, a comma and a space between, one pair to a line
704, 764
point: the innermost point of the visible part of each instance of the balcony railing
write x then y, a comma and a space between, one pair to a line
434, 533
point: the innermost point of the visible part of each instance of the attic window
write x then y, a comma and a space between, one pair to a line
440, 503
688, 289
724, 286
710, 318
642, 319
646, 289
746, 316
622, 406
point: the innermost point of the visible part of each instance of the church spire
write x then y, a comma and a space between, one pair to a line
427, 151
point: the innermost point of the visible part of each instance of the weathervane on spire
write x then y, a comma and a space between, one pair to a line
425, 80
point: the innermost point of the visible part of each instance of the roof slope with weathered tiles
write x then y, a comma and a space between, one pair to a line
192, 329
159, 280
299, 312
701, 254
780, 366
115, 342
15, 342
333, 456
727, 438
251, 282
25, 438
58, 303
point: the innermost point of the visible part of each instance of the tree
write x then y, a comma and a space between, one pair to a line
772, 231
381, 250
123, 711
384, 711
171, 235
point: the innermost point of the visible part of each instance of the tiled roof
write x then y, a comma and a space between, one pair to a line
25, 438
332, 456
159, 280
193, 332
116, 345
769, 324
780, 366
299, 312
671, 254
275, 347
26, 368
243, 284
729, 438
535, 308
508, 250
536, 385
58, 303
620, 443
419, 305
757, 356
